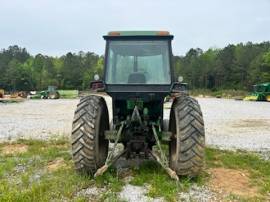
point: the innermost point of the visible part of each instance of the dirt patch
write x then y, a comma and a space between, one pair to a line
230, 181
56, 164
249, 123
12, 149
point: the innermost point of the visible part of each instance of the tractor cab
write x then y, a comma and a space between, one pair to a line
262, 88
138, 59
138, 71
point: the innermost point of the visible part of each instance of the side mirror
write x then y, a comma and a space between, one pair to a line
97, 85
178, 87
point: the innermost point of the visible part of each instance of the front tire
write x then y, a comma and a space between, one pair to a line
89, 146
187, 146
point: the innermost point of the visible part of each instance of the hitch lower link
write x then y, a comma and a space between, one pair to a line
112, 158
162, 160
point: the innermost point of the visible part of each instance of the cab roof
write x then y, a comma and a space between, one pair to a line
138, 34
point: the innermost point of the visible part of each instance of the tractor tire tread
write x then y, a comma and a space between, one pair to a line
191, 136
84, 134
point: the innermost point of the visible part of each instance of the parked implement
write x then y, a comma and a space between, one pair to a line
138, 75
50, 93
261, 92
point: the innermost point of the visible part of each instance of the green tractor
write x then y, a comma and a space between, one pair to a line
50, 93
138, 75
261, 92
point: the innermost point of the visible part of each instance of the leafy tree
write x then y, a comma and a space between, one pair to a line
235, 66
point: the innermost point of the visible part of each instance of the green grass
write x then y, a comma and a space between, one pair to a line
25, 177
226, 93
62, 183
69, 94
161, 185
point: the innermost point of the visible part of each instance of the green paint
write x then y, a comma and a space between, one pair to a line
132, 103
145, 111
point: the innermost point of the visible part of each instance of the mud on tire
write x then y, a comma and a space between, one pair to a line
89, 146
186, 149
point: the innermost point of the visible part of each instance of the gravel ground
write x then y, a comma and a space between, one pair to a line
36, 119
133, 193
229, 124
198, 194
232, 124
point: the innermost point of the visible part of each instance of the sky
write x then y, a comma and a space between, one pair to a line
55, 27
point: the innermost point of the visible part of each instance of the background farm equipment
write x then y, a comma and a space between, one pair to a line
50, 93
261, 92
12, 97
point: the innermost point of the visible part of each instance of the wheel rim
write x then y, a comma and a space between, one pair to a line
173, 153
173, 144
103, 144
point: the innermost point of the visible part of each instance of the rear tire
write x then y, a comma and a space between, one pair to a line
187, 146
89, 146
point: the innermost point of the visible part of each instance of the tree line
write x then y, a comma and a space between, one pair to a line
21, 71
233, 67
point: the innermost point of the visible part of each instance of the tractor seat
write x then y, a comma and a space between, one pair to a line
136, 77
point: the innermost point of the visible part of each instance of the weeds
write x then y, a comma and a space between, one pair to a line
25, 176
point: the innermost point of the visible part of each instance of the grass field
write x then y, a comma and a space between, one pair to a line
68, 93
33, 170
219, 93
